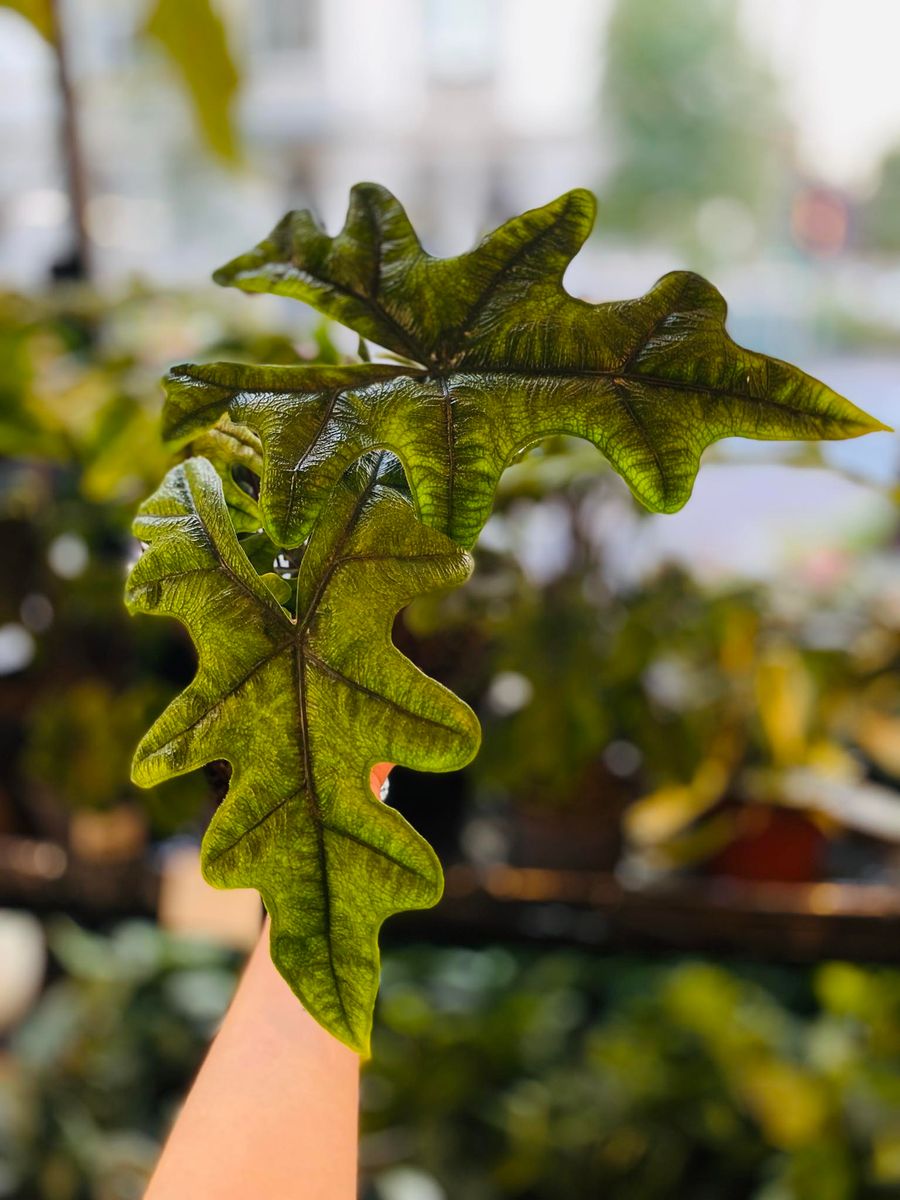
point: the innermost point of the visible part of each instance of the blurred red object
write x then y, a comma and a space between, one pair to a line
820, 221
773, 846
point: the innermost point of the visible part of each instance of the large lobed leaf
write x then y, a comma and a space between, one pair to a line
302, 708
499, 356
495, 355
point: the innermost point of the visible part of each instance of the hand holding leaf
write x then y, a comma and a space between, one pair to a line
496, 355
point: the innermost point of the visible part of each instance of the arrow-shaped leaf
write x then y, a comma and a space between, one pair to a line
302, 709
501, 357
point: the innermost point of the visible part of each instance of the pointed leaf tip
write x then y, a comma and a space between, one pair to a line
506, 357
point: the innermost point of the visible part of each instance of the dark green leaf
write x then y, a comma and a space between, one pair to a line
193, 36
231, 447
501, 356
302, 709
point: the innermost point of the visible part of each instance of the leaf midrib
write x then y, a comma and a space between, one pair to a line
379, 313
297, 644
615, 375
314, 808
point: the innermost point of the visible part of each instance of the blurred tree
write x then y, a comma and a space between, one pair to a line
879, 220
699, 138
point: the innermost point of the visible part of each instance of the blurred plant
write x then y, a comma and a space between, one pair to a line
93, 1077
496, 1074
79, 442
73, 396
211, 80
565, 1075
719, 710
696, 125
79, 749
807, 720
590, 695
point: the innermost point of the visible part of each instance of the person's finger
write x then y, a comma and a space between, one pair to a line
379, 774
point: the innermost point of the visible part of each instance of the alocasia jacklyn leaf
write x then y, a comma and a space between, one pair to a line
302, 699
499, 357
302, 709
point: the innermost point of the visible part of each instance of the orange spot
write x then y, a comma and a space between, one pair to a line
379, 774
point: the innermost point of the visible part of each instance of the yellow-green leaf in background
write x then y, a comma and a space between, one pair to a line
785, 701
193, 36
38, 13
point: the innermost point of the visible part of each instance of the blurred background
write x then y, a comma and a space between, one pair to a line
668, 960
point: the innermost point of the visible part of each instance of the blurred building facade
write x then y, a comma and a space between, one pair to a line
468, 109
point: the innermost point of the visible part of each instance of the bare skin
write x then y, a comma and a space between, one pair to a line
273, 1111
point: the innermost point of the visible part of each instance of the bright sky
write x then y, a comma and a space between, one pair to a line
838, 59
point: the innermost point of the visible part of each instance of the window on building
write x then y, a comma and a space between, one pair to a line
288, 24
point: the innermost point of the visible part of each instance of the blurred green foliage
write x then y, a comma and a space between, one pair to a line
689, 685
95, 1074
682, 704
79, 444
561, 1075
697, 122
497, 1073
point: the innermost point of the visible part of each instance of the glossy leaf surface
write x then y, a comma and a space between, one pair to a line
231, 447
302, 699
302, 709
499, 356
